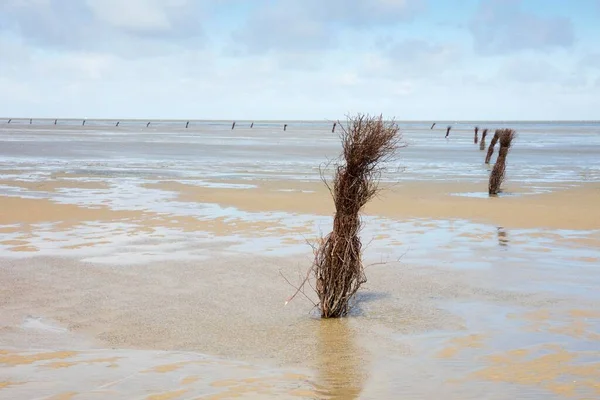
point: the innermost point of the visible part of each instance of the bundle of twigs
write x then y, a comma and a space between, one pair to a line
367, 142
506, 137
490, 152
476, 139
482, 144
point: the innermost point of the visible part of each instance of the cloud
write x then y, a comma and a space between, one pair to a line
410, 59
132, 27
283, 26
536, 70
530, 70
366, 13
424, 58
316, 25
590, 60
501, 26
289, 59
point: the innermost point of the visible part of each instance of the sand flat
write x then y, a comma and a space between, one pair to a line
154, 265
432, 200
416, 200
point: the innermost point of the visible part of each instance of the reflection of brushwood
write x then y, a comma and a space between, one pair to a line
448, 131
483, 135
476, 139
506, 137
367, 142
490, 152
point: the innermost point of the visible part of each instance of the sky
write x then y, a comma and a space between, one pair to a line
300, 59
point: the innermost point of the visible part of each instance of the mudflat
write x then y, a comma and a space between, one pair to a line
162, 271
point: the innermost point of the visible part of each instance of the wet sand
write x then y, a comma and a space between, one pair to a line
144, 286
517, 208
402, 325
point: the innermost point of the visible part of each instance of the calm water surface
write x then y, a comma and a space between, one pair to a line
544, 152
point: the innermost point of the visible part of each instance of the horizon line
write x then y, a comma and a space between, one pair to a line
286, 120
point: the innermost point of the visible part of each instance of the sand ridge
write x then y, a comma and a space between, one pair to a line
407, 200
417, 200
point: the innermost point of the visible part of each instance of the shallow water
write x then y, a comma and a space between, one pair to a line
542, 153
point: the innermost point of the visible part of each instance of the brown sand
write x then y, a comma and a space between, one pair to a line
555, 372
416, 200
24, 212
54, 185
204, 307
407, 200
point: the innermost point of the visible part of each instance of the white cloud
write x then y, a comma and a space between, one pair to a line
501, 26
134, 27
281, 59
136, 15
315, 24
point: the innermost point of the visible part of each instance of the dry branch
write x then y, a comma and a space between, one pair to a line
490, 152
482, 144
506, 137
367, 142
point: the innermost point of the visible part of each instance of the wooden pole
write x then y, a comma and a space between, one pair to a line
482, 143
118, 122
432, 126
148, 124
233, 125
448, 131
187, 124
284, 127
333, 129
490, 152
252, 125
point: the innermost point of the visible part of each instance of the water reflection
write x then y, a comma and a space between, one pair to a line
502, 238
340, 362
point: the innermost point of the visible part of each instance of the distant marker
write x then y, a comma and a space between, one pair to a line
233, 125
252, 125
448, 131
333, 129
187, 124
284, 127
55, 121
